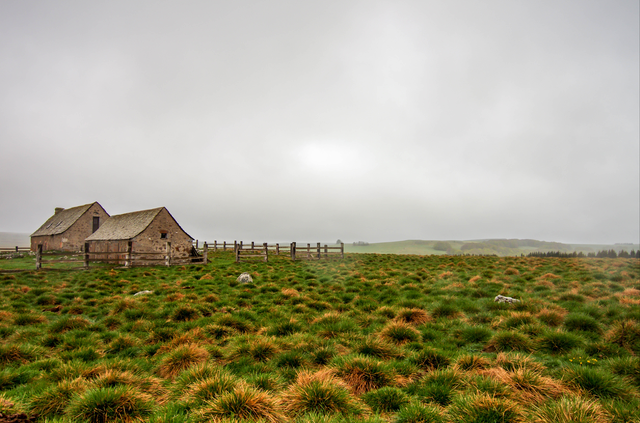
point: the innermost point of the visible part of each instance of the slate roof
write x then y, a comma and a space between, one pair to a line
61, 221
127, 226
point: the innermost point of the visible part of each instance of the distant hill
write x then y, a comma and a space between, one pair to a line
13, 239
500, 247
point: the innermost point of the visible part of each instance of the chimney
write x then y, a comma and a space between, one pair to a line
58, 210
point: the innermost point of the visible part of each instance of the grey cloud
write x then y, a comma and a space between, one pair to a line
359, 120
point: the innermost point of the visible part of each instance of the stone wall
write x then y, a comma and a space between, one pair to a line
151, 238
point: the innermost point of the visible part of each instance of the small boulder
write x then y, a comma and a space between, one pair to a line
142, 293
503, 299
245, 278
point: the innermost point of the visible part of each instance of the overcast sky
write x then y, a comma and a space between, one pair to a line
317, 120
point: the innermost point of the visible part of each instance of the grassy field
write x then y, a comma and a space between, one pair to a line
370, 338
500, 247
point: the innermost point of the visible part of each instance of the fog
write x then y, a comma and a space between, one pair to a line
312, 121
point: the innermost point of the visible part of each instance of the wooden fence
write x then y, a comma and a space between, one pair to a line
317, 252
128, 258
261, 252
15, 250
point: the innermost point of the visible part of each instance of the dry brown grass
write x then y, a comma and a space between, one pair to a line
6, 316
412, 316
399, 333
513, 360
149, 385
551, 317
528, 386
195, 336
546, 283
181, 359
629, 292
320, 392
290, 292
177, 296
364, 374
243, 404
471, 362
475, 278
569, 409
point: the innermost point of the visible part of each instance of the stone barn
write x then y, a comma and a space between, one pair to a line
147, 230
67, 229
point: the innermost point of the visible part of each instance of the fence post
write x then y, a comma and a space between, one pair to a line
196, 244
86, 255
319, 254
266, 252
277, 249
236, 250
215, 246
205, 252
235, 245
342, 250
167, 257
128, 261
39, 257
293, 251
326, 251
241, 245
253, 246
16, 248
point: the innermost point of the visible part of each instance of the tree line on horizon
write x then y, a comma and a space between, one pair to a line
600, 254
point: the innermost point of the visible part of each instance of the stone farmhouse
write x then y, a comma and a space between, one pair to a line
67, 229
147, 230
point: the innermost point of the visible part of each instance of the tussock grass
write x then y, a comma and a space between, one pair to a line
181, 359
599, 382
243, 403
400, 333
570, 409
104, 405
320, 393
363, 374
480, 407
370, 338
55, 399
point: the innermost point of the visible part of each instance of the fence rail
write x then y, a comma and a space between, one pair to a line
262, 251
128, 258
252, 252
15, 249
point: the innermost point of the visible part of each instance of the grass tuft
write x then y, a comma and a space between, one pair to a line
243, 403
181, 358
569, 410
483, 408
121, 404
363, 374
320, 393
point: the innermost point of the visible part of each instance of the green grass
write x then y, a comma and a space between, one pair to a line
373, 337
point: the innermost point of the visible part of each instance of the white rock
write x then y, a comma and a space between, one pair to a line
503, 299
245, 278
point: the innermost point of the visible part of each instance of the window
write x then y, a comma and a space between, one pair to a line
96, 223
163, 234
